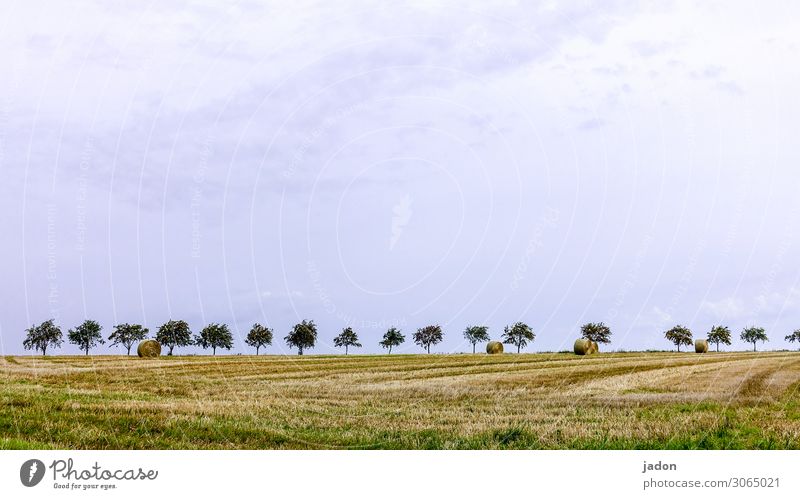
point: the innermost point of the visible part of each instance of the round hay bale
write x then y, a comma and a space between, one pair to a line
149, 348
700, 346
494, 347
582, 346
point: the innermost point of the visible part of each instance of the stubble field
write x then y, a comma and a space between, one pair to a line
554, 401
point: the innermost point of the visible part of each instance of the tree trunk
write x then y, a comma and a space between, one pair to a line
129, 349
257, 350
754, 346
87, 350
44, 350
170, 349
213, 350
473, 348
390, 349
345, 349
299, 350
429, 348
679, 348
518, 347
718, 347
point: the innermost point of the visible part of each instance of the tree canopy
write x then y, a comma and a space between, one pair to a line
127, 335
392, 338
347, 338
259, 336
302, 336
597, 332
86, 336
475, 334
428, 336
720, 334
679, 335
519, 335
753, 334
43, 336
174, 334
791, 338
215, 336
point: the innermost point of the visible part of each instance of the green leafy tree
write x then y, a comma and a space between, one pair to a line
679, 335
174, 334
519, 334
86, 336
42, 336
720, 334
392, 338
303, 336
427, 336
127, 335
215, 336
475, 334
791, 338
753, 334
597, 332
259, 336
347, 338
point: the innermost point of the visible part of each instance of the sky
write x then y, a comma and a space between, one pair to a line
378, 164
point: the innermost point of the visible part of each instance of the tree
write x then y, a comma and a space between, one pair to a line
519, 334
86, 336
392, 338
720, 334
42, 336
215, 336
427, 336
791, 338
679, 335
347, 338
753, 334
259, 336
174, 334
127, 334
597, 332
474, 334
302, 336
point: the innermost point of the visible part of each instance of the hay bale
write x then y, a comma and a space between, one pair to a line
149, 348
585, 347
582, 346
494, 347
700, 346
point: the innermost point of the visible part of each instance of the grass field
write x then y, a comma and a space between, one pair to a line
607, 401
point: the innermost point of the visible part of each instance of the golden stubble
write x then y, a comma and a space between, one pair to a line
559, 397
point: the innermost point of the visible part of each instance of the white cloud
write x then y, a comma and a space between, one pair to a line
726, 308
756, 306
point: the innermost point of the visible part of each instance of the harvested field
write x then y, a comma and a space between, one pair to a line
603, 401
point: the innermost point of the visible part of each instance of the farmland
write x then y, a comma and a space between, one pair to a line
553, 401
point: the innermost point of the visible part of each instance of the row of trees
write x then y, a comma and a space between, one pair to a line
303, 336
680, 335
89, 335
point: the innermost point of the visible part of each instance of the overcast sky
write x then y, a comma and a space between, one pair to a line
429, 162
